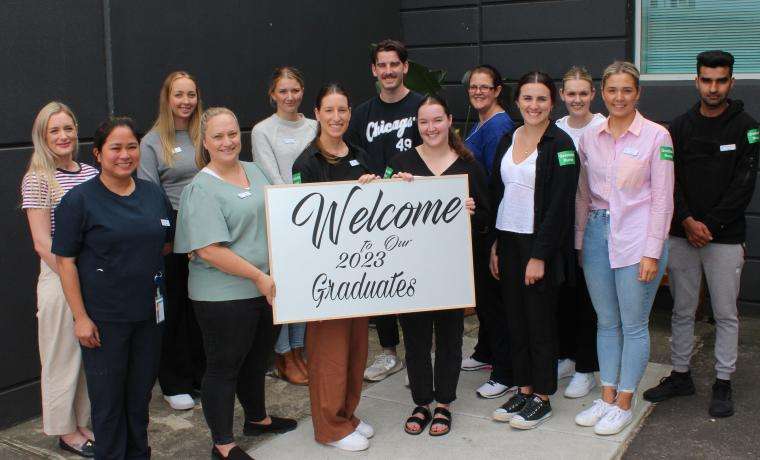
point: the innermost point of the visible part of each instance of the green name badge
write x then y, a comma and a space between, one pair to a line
297, 178
753, 136
566, 157
666, 153
388, 173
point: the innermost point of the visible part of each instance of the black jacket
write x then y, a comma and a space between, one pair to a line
554, 200
715, 170
310, 166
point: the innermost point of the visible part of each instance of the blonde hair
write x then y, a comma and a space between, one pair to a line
619, 67
164, 124
577, 72
42, 164
202, 157
280, 73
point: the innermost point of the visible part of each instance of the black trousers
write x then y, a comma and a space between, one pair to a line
576, 322
433, 383
387, 330
237, 337
182, 358
493, 333
531, 316
120, 377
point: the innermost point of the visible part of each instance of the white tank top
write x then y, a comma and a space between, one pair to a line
515, 212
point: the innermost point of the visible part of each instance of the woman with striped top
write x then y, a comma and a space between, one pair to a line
53, 171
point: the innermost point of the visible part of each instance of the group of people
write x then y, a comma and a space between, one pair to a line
156, 265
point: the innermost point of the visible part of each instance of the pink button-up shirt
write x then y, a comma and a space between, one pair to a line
632, 177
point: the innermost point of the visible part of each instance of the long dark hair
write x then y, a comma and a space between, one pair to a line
536, 76
106, 128
455, 142
326, 90
503, 98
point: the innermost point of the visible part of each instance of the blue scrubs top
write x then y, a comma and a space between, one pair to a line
484, 138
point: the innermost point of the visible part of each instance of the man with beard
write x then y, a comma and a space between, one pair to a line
716, 154
384, 126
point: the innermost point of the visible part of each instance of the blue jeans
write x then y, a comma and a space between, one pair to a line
622, 305
291, 336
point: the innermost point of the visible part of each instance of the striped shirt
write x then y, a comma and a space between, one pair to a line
36, 193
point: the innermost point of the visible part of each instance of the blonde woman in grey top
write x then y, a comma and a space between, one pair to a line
276, 142
168, 159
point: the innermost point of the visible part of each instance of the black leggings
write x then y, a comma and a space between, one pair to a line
237, 337
531, 316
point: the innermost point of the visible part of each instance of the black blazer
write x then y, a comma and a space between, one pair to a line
313, 169
557, 169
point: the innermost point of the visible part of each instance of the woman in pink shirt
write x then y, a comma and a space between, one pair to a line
623, 205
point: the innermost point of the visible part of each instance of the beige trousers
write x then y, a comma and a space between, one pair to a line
65, 404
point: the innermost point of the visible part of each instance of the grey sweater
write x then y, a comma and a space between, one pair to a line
153, 168
276, 144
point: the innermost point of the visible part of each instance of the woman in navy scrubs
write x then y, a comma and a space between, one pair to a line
110, 235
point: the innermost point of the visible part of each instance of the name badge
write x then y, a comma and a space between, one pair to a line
354, 163
727, 147
289, 140
631, 151
242, 195
166, 223
160, 314
177, 149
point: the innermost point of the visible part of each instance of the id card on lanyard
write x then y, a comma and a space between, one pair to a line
160, 314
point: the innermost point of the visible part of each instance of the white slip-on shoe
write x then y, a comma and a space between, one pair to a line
472, 364
180, 402
565, 368
592, 415
365, 429
354, 442
384, 365
491, 390
614, 421
581, 384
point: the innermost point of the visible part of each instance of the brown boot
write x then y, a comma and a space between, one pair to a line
288, 370
298, 355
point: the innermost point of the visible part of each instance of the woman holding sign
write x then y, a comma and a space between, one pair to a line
442, 153
276, 142
111, 232
534, 180
221, 222
623, 211
337, 348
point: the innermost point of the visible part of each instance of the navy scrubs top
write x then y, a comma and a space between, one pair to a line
117, 241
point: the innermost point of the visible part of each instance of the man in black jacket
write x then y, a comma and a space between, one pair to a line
716, 156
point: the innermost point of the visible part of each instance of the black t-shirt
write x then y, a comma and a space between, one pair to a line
311, 166
383, 130
411, 162
117, 241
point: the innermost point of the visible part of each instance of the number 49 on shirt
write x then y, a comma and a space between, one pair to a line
403, 145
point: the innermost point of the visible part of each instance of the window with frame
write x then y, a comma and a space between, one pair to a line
670, 34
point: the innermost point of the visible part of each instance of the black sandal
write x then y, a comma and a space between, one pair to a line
422, 422
441, 421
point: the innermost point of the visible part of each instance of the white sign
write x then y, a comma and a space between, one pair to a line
343, 249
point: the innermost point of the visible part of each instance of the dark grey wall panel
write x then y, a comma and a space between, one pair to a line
750, 290
553, 57
528, 21
753, 236
456, 60
754, 205
50, 52
19, 403
440, 27
235, 45
412, 4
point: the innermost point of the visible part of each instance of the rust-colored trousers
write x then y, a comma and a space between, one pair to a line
337, 355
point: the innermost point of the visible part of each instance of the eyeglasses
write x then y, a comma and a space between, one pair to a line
481, 88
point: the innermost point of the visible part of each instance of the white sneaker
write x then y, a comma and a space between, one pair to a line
180, 402
581, 385
385, 364
354, 442
491, 390
365, 429
592, 415
472, 364
614, 421
565, 368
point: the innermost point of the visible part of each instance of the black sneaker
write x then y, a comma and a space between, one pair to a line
535, 412
511, 407
721, 404
676, 384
